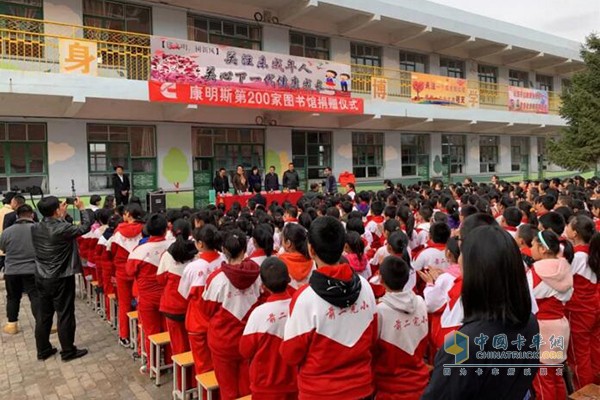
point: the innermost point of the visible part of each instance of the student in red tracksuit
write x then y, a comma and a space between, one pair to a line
270, 377
142, 264
583, 311
295, 256
191, 287
262, 239
399, 369
231, 293
126, 238
551, 281
374, 225
172, 305
104, 260
332, 329
102, 217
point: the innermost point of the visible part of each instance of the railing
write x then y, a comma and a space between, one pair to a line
33, 45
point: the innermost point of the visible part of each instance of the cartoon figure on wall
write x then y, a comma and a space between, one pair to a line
330, 76
344, 80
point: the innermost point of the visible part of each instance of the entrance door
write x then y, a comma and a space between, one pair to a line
143, 173
525, 166
301, 166
423, 167
203, 176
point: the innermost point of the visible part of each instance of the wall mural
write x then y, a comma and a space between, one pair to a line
279, 159
58, 152
175, 168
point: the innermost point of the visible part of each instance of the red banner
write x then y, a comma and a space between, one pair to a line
224, 96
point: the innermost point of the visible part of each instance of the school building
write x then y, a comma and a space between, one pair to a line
420, 90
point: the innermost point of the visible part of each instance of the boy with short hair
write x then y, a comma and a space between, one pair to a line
399, 369
332, 327
524, 238
434, 254
511, 219
270, 376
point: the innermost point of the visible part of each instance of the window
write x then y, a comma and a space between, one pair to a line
452, 68
230, 147
566, 85
311, 46
518, 78
487, 74
519, 151
542, 146
117, 16
362, 54
453, 152
311, 153
33, 9
132, 147
413, 62
367, 154
488, 154
412, 147
14, 39
23, 156
224, 32
545, 82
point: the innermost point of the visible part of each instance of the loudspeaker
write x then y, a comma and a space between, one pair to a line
156, 202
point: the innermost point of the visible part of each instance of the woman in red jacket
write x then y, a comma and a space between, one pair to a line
104, 260
126, 238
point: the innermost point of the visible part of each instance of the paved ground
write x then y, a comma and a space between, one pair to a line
107, 372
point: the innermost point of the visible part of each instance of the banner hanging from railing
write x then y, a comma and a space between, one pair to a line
527, 100
201, 73
443, 91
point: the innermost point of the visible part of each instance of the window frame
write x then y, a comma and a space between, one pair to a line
456, 161
487, 74
544, 82
104, 18
520, 142
451, 65
361, 59
518, 78
489, 165
244, 42
326, 153
373, 141
318, 50
419, 145
410, 65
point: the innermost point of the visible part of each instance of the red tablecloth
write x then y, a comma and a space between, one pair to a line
280, 197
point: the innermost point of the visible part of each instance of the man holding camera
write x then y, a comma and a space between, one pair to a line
57, 262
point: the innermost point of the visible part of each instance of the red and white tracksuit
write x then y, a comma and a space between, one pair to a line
399, 369
374, 225
231, 293
258, 256
86, 245
106, 270
433, 255
93, 259
583, 313
551, 282
124, 240
143, 264
444, 307
332, 346
271, 378
299, 268
191, 288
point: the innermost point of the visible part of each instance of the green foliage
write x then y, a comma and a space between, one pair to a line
579, 145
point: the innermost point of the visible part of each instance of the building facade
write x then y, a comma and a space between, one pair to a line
75, 97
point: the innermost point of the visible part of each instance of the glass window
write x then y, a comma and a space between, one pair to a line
224, 32
452, 68
314, 156
545, 82
488, 154
363, 54
487, 74
413, 62
32, 9
453, 152
118, 16
519, 151
518, 78
412, 147
23, 156
311, 46
367, 154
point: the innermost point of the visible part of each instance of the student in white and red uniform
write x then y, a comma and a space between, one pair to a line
262, 238
389, 227
423, 220
434, 254
232, 292
102, 217
299, 264
270, 377
551, 281
596, 213
399, 369
104, 259
406, 219
142, 264
374, 224
583, 311
191, 288
332, 328
172, 305
511, 219
126, 238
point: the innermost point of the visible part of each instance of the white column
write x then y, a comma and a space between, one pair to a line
434, 64
67, 157
65, 11
435, 158
341, 152
472, 155
391, 58
340, 50
533, 157
471, 70
392, 155
504, 155
503, 75
169, 22
276, 39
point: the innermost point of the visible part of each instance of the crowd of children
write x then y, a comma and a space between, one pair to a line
342, 297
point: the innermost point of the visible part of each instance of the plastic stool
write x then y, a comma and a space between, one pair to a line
133, 329
181, 363
157, 342
208, 382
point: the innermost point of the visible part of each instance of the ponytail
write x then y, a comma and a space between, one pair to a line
297, 236
183, 249
594, 256
553, 242
354, 241
263, 237
407, 217
234, 243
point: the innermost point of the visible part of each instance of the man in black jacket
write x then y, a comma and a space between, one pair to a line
291, 180
221, 182
57, 262
121, 186
11, 218
271, 180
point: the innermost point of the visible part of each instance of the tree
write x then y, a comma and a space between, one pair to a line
578, 147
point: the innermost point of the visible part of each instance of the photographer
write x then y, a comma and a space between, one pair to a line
57, 262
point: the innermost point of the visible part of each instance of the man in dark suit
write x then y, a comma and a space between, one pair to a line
11, 218
121, 185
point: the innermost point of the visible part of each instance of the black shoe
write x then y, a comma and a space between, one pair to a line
46, 355
125, 343
78, 353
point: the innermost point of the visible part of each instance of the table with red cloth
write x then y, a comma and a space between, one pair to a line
279, 197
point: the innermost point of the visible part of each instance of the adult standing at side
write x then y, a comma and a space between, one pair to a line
6, 209
330, 183
20, 267
255, 180
221, 182
291, 180
271, 180
121, 185
240, 181
57, 262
